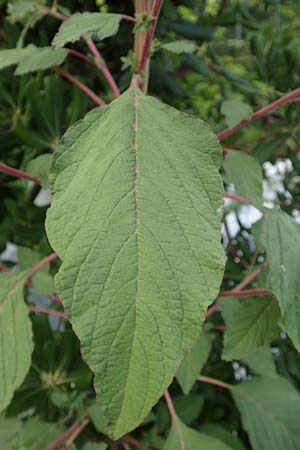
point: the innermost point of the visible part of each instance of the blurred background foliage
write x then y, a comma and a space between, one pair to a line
243, 51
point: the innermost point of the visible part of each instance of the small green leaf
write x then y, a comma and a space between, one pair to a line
24, 10
188, 407
36, 435
40, 167
270, 409
182, 46
183, 438
135, 218
97, 417
41, 58
14, 56
15, 336
254, 324
95, 25
193, 362
245, 173
228, 437
235, 111
261, 362
9, 429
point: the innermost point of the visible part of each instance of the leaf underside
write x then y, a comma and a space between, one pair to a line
135, 218
15, 336
96, 25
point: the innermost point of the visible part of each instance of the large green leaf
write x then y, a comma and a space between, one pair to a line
41, 58
183, 438
135, 218
254, 324
96, 25
15, 336
261, 362
270, 409
193, 362
281, 238
245, 173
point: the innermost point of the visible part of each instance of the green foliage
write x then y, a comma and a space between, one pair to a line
95, 25
15, 334
253, 324
135, 218
156, 299
271, 420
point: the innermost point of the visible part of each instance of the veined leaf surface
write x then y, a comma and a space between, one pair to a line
15, 336
135, 218
96, 25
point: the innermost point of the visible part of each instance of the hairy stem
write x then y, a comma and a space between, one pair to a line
156, 7
260, 113
80, 85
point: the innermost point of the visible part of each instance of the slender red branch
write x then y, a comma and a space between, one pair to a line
214, 381
249, 278
237, 198
174, 418
245, 293
17, 173
53, 13
212, 309
49, 312
102, 65
130, 19
62, 438
41, 264
76, 433
157, 4
80, 85
260, 113
81, 56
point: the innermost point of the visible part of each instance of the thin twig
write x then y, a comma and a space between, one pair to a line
245, 293
80, 85
237, 198
214, 381
49, 312
260, 113
17, 173
41, 264
248, 279
76, 433
174, 418
62, 438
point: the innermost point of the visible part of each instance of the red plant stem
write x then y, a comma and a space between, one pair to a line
4, 268
174, 418
212, 309
49, 312
76, 433
157, 4
17, 173
62, 438
41, 264
55, 4
90, 43
244, 293
81, 56
237, 198
249, 278
80, 85
102, 65
214, 381
130, 19
260, 113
